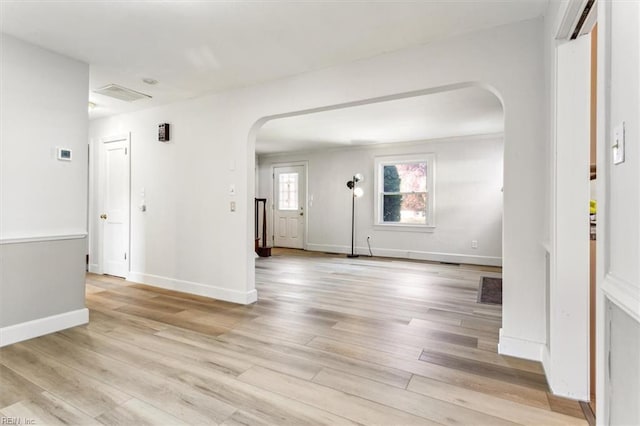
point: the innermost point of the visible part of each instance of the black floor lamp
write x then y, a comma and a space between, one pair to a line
355, 192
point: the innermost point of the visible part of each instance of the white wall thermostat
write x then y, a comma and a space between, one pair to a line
64, 154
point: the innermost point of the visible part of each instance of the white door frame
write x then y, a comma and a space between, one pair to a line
271, 210
567, 356
126, 137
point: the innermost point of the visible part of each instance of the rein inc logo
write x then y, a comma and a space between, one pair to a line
16, 421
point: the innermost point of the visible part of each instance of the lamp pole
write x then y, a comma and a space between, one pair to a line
352, 185
353, 218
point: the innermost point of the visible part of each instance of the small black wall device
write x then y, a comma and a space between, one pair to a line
163, 132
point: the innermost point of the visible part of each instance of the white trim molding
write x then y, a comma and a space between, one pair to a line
243, 298
546, 364
555, 390
39, 327
520, 348
412, 254
116, 138
624, 294
94, 268
43, 238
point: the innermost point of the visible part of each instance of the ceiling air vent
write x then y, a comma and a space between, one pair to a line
122, 93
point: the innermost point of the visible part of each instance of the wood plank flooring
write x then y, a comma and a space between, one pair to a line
331, 341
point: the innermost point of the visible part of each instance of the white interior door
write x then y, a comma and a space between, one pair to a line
290, 197
115, 202
569, 287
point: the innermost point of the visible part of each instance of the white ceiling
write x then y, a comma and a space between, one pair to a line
193, 47
468, 111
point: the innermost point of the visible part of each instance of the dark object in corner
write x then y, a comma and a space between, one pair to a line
490, 291
263, 251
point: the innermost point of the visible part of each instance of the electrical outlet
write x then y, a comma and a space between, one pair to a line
474, 244
232, 206
368, 237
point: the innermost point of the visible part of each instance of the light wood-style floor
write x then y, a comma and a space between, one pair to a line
331, 341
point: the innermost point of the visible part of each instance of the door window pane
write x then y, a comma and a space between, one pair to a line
288, 191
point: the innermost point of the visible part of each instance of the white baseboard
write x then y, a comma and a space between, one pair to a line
546, 362
94, 268
561, 390
520, 348
244, 298
411, 254
39, 327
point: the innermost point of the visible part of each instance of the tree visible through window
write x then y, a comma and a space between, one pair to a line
404, 191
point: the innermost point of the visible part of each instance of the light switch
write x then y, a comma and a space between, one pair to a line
232, 206
232, 189
618, 144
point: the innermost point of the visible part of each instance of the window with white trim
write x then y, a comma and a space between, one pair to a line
405, 196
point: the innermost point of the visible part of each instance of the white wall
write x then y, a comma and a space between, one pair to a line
44, 106
43, 200
189, 236
618, 247
468, 200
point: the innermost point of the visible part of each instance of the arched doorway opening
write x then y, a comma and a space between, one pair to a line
463, 122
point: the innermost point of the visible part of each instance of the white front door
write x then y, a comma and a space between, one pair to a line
115, 206
290, 197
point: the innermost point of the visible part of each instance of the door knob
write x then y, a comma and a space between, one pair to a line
103, 216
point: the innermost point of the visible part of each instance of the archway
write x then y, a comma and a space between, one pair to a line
456, 254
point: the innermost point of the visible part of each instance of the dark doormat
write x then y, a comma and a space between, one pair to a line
490, 291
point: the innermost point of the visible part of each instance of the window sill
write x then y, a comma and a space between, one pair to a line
404, 228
